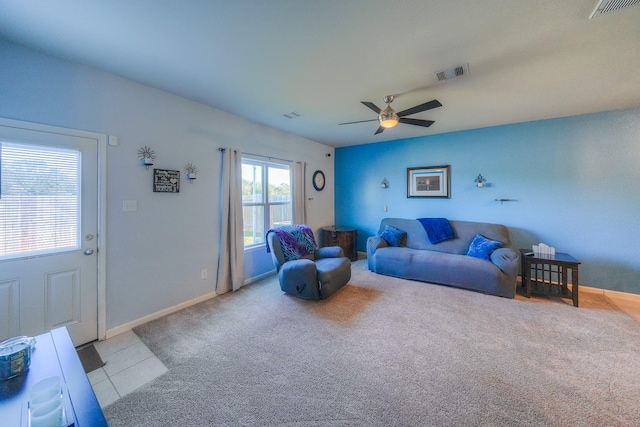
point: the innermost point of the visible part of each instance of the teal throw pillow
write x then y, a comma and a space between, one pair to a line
482, 248
393, 235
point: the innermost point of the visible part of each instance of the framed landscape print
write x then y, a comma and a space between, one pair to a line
429, 181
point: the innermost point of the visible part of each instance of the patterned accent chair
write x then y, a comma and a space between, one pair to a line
317, 275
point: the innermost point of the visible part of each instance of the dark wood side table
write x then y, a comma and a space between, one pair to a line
54, 355
550, 271
345, 237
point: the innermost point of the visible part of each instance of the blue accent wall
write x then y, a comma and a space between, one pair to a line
575, 182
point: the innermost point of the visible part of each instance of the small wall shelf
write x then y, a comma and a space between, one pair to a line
505, 200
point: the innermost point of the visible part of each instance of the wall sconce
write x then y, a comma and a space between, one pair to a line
385, 183
191, 172
480, 180
146, 156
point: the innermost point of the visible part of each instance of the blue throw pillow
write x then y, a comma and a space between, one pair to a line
482, 248
438, 229
393, 235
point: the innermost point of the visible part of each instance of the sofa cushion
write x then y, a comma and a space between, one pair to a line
438, 229
482, 248
439, 267
464, 232
393, 236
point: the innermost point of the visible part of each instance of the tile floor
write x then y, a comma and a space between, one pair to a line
129, 364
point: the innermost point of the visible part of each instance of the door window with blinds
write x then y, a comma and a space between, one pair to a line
39, 200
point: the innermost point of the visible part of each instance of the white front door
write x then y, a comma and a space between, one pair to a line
48, 233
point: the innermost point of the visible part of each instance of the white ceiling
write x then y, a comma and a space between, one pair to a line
528, 60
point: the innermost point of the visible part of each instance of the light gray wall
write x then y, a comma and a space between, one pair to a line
154, 255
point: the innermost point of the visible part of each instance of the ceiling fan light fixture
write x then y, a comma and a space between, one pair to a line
388, 118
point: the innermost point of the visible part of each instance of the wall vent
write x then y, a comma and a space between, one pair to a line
608, 6
451, 73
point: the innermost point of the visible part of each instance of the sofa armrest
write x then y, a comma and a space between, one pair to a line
329, 252
300, 278
507, 260
374, 243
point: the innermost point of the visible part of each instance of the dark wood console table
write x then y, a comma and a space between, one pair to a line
345, 237
550, 271
54, 355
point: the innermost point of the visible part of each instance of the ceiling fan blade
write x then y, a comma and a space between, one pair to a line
417, 122
361, 121
419, 108
372, 106
380, 130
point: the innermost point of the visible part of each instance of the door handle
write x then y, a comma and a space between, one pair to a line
88, 251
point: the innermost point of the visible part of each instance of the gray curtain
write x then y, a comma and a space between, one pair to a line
299, 193
231, 251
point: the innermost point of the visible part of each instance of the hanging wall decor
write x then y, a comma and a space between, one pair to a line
146, 156
480, 180
166, 181
429, 181
191, 172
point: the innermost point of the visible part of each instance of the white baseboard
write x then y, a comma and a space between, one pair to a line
153, 316
130, 325
259, 277
609, 293
606, 292
622, 295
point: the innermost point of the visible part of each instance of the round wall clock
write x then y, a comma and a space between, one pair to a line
318, 180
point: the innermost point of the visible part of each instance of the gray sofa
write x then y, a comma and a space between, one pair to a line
447, 262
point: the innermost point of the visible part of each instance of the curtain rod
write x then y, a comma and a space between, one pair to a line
259, 155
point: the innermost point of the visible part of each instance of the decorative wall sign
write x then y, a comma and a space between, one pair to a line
166, 181
428, 181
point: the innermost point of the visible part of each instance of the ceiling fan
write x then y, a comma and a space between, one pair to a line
388, 118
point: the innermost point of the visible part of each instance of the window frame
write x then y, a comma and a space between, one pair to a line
265, 203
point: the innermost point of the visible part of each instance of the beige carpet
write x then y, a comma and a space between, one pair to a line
389, 352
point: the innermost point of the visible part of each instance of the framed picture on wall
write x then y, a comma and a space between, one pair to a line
166, 181
429, 181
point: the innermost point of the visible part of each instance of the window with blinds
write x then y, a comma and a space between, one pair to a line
266, 198
39, 200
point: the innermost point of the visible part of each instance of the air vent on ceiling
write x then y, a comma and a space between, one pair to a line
292, 115
451, 73
607, 6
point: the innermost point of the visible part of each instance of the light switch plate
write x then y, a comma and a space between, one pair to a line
129, 205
